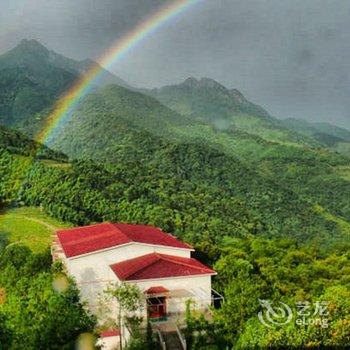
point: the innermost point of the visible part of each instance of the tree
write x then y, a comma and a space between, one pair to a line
33, 315
129, 299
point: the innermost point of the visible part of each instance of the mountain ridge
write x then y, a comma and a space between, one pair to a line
32, 78
38, 53
203, 87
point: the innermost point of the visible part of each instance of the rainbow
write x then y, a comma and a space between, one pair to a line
64, 107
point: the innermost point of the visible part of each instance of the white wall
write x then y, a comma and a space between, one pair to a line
200, 286
92, 272
109, 343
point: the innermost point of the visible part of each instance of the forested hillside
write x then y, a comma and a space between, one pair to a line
333, 137
32, 78
119, 126
224, 108
190, 189
264, 240
266, 206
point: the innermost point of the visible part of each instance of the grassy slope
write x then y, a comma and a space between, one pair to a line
29, 225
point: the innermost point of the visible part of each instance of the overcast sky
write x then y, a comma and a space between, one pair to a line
290, 56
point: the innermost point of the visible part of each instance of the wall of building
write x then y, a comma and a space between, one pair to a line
93, 274
110, 343
198, 286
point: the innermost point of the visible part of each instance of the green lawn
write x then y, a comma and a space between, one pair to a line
30, 226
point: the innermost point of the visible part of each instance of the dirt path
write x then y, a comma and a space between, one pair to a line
41, 222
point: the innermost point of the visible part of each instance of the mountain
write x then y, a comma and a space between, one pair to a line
207, 100
32, 78
34, 56
137, 133
329, 135
188, 188
104, 125
266, 203
103, 120
15, 142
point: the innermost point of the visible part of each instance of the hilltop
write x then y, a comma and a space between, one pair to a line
32, 78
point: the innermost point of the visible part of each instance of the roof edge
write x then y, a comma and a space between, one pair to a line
125, 244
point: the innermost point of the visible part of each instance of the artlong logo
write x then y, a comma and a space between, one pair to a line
282, 314
270, 315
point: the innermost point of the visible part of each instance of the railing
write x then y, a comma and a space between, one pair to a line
181, 337
161, 339
216, 298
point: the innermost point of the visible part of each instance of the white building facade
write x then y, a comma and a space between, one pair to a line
106, 254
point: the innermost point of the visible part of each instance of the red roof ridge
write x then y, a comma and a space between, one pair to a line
179, 260
132, 269
157, 258
116, 224
91, 238
85, 226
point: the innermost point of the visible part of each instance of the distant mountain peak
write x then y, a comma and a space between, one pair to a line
208, 83
203, 83
207, 99
238, 96
32, 45
190, 82
31, 42
211, 83
28, 48
31, 54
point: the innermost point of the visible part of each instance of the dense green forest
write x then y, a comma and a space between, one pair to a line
33, 314
265, 204
118, 126
264, 240
280, 270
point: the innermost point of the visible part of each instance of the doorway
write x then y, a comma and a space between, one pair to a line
156, 307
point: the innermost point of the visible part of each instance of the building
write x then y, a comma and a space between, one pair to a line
158, 263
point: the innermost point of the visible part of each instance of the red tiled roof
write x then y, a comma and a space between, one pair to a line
155, 265
156, 290
110, 333
87, 239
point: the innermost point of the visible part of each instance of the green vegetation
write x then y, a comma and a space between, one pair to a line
278, 271
328, 135
129, 299
33, 314
265, 204
29, 84
139, 136
15, 142
29, 226
226, 109
32, 78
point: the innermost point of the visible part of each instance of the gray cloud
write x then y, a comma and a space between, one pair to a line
290, 56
